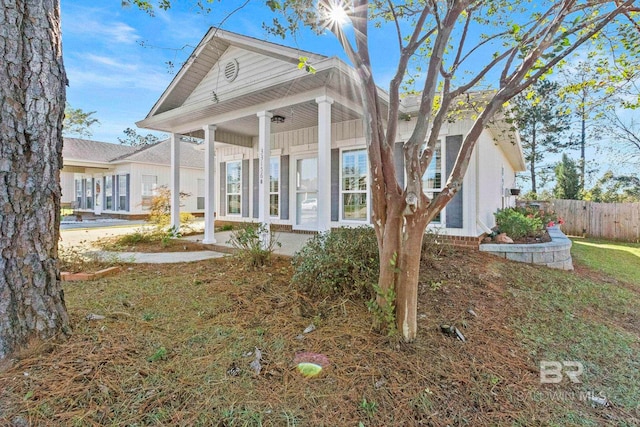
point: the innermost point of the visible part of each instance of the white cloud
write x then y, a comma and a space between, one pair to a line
110, 62
141, 79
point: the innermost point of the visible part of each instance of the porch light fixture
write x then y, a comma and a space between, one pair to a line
277, 119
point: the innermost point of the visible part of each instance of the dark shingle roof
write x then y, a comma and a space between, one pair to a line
93, 151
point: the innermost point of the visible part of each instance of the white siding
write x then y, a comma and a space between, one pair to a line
491, 189
253, 69
67, 184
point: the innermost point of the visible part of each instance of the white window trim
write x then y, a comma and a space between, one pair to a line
443, 179
293, 187
341, 191
277, 159
227, 194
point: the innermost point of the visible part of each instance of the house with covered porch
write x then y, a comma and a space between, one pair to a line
287, 147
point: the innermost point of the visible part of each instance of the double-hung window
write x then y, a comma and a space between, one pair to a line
88, 186
149, 186
200, 195
354, 185
432, 178
234, 188
123, 193
108, 192
274, 187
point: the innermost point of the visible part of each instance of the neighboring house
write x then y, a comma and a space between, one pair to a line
119, 180
288, 146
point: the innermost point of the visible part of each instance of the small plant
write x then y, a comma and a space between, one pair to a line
249, 242
369, 407
517, 225
159, 354
385, 316
341, 262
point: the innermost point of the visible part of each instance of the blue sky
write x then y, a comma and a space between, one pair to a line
116, 58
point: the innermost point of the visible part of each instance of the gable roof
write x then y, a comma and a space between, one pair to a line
208, 52
93, 151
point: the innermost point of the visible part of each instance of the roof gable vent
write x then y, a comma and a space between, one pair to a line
231, 70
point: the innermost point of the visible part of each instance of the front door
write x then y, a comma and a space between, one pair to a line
307, 193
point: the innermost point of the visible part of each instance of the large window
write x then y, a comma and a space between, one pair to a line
200, 194
274, 186
149, 186
123, 193
354, 185
432, 178
108, 192
234, 188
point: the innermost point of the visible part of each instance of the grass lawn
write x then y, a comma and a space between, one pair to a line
177, 343
617, 259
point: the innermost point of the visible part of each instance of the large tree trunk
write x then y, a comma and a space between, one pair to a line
32, 98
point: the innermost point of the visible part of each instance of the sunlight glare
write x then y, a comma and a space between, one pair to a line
336, 13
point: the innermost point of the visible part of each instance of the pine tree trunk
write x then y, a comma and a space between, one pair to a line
32, 99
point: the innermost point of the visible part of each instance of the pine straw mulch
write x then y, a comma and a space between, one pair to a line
177, 341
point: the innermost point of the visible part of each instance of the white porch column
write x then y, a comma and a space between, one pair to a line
209, 184
324, 163
175, 181
264, 155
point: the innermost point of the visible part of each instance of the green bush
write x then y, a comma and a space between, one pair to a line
247, 241
342, 262
516, 224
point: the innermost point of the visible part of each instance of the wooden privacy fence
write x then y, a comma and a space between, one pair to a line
614, 221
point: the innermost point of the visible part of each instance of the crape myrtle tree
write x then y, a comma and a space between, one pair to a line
32, 101
456, 47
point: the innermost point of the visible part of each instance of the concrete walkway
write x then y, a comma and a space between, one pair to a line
84, 238
159, 257
290, 243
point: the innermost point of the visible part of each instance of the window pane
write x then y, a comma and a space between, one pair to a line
233, 204
354, 206
234, 177
432, 178
273, 205
274, 175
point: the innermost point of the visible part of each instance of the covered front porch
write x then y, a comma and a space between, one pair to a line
273, 134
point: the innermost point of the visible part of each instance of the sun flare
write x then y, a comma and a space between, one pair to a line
335, 13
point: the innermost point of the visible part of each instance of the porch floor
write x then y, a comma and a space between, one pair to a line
290, 242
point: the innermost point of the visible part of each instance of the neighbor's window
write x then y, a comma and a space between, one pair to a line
108, 192
79, 193
200, 194
432, 178
149, 187
274, 186
354, 185
234, 188
88, 193
123, 193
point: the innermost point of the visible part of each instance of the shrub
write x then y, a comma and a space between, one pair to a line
342, 262
247, 241
160, 209
516, 224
